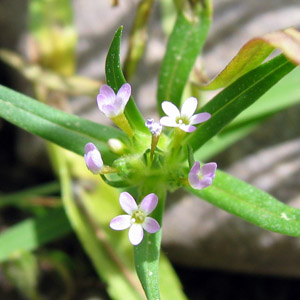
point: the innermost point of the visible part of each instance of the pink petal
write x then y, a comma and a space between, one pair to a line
195, 168
149, 203
170, 109
127, 203
124, 93
151, 225
209, 170
198, 184
89, 147
92, 158
187, 128
120, 222
189, 107
107, 93
168, 121
199, 118
135, 234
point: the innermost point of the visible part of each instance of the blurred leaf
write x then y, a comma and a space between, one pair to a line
72, 85
225, 106
254, 52
184, 45
115, 79
22, 270
51, 23
138, 37
66, 130
251, 204
32, 233
284, 94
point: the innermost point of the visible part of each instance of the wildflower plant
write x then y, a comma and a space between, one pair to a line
145, 159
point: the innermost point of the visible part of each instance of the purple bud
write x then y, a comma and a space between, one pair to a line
93, 158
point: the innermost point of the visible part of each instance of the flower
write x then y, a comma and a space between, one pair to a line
154, 127
93, 158
183, 119
137, 218
200, 178
112, 104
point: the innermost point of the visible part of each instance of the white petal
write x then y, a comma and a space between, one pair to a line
187, 128
135, 234
168, 121
189, 107
127, 203
120, 222
170, 109
149, 203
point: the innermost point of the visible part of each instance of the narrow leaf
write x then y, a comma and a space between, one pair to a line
251, 204
184, 45
32, 233
254, 52
68, 131
115, 79
237, 97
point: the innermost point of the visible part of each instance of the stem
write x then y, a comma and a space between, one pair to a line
122, 122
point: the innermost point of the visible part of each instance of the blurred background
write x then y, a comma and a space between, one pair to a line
217, 256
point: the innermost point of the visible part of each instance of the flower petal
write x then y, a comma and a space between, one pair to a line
199, 118
168, 121
106, 93
151, 225
170, 109
124, 93
189, 107
89, 147
209, 170
195, 168
135, 234
187, 128
127, 203
120, 222
149, 203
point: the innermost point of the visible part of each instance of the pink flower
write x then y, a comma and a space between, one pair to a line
93, 158
154, 127
111, 104
136, 220
184, 119
200, 178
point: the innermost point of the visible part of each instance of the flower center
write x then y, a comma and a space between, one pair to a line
138, 217
182, 120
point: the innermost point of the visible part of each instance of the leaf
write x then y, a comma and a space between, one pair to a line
115, 79
251, 204
72, 85
184, 45
281, 96
254, 52
237, 97
138, 37
66, 130
32, 233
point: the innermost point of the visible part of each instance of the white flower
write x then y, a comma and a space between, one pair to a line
136, 219
183, 119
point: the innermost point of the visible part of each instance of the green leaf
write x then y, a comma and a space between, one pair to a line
115, 79
251, 204
184, 45
237, 97
284, 94
32, 233
254, 52
68, 131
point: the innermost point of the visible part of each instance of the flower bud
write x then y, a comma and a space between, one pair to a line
93, 158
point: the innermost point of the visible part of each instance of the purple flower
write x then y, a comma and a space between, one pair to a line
137, 218
200, 178
154, 127
109, 103
183, 119
93, 158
